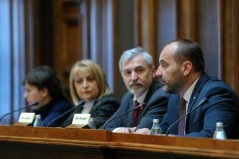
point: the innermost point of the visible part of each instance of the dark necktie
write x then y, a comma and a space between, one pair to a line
135, 114
182, 111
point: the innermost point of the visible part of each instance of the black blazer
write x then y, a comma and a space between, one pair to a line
102, 110
154, 108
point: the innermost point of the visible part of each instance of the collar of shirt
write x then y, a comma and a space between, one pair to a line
141, 98
187, 95
87, 107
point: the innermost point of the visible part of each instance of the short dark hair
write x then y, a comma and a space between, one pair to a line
189, 50
45, 77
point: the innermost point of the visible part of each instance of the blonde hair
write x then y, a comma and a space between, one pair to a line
98, 74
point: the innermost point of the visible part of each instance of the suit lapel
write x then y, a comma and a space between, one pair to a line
154, 86
199, 85
130, 115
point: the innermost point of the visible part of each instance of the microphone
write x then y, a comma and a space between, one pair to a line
53, 120
203, 101
33, 104
137, 107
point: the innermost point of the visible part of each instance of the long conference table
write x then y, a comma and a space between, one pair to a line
26, 142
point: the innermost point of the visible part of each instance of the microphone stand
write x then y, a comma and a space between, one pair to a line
68, 111
33, 104
204, 100
139, 106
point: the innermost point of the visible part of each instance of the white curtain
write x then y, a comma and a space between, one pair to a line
12, 58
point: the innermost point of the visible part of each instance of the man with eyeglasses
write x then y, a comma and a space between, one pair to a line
138, 72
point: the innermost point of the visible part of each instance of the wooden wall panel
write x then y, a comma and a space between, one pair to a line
124, 34
67, 42
102, 29
208, 34
57, 35
186, 19
99, 36
146, 30
59, 32
230, 42
166, 22
211, 23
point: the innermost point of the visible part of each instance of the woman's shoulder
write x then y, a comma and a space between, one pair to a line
63, 104
108, 99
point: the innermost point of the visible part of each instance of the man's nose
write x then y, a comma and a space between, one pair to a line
134, 76
159, 72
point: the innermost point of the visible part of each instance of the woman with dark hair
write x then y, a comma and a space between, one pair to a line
42, 84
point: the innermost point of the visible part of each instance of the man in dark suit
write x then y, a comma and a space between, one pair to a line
182, 73
138, 72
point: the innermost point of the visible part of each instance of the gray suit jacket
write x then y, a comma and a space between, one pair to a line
154, 108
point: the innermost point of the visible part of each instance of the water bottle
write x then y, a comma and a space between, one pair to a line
155, 130
91, 123
219, 132
37, 122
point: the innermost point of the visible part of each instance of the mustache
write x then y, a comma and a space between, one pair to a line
135, 83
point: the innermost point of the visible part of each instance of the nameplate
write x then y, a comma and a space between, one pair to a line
26, 117
81, 119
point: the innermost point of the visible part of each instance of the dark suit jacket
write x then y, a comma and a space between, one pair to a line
53, 109
154, 108
101, 111
222, 106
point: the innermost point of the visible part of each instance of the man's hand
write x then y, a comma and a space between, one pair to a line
125, 130
143, 131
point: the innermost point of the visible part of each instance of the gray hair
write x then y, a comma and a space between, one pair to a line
129, 54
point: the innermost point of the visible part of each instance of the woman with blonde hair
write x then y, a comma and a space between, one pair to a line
90, 93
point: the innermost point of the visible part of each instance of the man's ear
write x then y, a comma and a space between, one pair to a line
187, 67
153, 71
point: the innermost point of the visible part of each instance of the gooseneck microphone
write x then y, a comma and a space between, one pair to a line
68, 111
203, 101
137, 107
30, 105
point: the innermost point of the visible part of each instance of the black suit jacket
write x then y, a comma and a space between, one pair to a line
155, 106
101, 111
